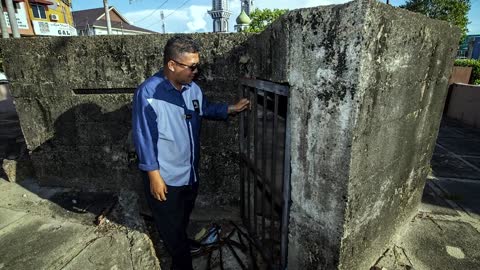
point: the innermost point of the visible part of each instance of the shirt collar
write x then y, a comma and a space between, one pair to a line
169, 86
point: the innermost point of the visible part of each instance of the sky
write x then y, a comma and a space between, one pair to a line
187, 16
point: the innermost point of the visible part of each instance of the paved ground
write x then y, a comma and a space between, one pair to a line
52, 228
445, 234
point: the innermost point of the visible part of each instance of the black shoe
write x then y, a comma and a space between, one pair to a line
195, 246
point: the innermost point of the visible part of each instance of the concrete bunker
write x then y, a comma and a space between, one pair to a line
366, 87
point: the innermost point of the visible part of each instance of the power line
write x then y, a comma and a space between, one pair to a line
184, 3
153, 12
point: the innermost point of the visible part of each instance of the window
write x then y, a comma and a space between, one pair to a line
39, 11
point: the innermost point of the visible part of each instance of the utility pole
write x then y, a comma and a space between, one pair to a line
107, 16
388, 2
162, 17
3, 23
12, 18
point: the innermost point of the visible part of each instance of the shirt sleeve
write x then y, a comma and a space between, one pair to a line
144, 130
216, 111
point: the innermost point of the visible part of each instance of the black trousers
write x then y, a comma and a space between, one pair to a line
171, 219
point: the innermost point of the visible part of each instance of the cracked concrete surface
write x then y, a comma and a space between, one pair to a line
40, 231
445, 233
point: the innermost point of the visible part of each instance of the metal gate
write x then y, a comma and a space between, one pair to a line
265, 169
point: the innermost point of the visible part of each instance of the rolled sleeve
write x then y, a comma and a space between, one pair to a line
144, 130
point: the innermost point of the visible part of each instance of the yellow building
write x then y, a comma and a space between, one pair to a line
51, 11
43, 17
51, 17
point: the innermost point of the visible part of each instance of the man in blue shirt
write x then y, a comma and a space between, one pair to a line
167, 112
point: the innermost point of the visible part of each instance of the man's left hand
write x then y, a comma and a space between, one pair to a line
239, 106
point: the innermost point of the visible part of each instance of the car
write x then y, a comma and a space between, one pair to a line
12, 142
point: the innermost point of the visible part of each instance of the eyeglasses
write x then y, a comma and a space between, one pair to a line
192, 67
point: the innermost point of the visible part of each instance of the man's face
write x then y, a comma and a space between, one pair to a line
185, 67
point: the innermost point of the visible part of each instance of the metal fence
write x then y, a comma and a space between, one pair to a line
265, 168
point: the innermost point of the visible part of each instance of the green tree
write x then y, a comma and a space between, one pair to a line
261, 18
453, 11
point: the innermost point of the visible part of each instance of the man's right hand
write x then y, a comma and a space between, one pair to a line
158, 188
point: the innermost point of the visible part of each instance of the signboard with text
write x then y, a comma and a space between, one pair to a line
53, 29
21, 15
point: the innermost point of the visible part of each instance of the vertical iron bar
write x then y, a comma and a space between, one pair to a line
242, 152
264, 161
255, 170
248, 195
286, 194
253, 257
255, 158
221, 257
209, 261
274, 171
232, 250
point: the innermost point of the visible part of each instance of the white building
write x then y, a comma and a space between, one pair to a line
220, 15
92, 22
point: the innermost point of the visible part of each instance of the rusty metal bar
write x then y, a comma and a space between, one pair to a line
260, 181
235, 255
262, 176
221, 258
242, 151
274, 168
266, 86
255, 157
286, 194
249, 190
264, 160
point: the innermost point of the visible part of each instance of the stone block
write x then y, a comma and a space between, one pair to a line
367, 86
16, 170
80, 140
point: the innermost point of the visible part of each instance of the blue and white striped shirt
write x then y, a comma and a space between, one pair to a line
166, 128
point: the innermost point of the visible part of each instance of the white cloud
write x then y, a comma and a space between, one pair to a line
295, 4
175, 21
315, 3
195, 18
234, 4
198, 18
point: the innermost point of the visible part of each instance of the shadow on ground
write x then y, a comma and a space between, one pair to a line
445, 233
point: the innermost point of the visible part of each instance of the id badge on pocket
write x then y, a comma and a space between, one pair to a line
196, 105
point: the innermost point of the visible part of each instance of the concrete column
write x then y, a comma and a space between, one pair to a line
367, 86
107, 17
12, 18
3, 23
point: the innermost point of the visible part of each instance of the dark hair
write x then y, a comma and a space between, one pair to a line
177, 45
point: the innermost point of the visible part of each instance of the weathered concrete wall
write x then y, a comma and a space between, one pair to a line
368, 82
81, 139
406, 63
